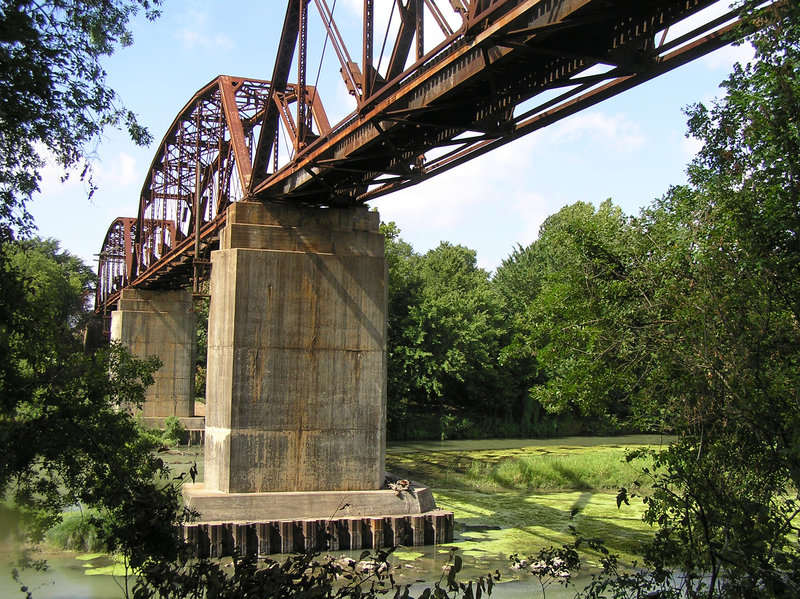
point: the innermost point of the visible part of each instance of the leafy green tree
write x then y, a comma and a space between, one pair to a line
66, 441
727, 493
444, 335
403, 293
715, 264
455, 330
53, 95
749, 165
580, 312
59, 286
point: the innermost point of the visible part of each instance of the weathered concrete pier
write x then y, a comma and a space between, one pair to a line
295, 429
296, 393
162, 324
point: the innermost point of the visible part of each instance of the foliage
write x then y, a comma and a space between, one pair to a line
302, 575
551, 565
580, 323
53, 96
77, 531
444, 331
727, 494
690, 312
201, 307
173, 433
65, 422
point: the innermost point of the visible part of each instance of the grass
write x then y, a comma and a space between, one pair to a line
76, 532
599, 469
522, 499
550, 468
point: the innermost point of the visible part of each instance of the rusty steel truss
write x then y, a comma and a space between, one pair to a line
505, 68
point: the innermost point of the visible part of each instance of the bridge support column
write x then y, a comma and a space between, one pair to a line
296, 391
161, 323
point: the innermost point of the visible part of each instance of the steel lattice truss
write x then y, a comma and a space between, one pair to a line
504, 68
202, 165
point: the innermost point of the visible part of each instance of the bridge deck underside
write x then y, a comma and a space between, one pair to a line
464, 100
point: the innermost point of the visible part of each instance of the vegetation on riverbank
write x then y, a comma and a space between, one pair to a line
77, 531
543, 468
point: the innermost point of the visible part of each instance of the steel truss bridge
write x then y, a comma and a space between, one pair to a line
505, 68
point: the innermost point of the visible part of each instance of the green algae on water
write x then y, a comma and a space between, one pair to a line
490, 528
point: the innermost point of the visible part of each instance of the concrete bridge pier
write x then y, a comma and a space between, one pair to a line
296, 387
161, 323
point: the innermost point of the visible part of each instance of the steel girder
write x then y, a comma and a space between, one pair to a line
472, 93
201, 166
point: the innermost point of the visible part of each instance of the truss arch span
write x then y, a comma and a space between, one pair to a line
201, 166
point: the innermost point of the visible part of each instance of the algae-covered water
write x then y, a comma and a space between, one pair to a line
490, 525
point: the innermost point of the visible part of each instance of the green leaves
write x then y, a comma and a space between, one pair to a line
445, 324
53, 96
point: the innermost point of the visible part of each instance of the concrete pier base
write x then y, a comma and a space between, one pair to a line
162, 324
217, 506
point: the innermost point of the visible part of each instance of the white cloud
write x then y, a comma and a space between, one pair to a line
613, 132
55, 180
119, 173
196, 33
435, 204
690, 146
532, 209
725, 57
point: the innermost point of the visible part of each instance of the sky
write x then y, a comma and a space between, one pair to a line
630, 148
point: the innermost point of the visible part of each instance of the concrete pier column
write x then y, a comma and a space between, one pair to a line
161, 323
296, 391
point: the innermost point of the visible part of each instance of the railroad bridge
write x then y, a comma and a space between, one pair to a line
255, 197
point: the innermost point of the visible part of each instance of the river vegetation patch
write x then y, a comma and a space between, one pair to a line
598, 467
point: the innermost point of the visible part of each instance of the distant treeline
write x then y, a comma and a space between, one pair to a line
516, 353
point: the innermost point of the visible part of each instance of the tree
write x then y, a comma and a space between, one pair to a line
580, 312
66, 441
727, 493
53, 96
716, 264
444, 330
457, 323
403, 292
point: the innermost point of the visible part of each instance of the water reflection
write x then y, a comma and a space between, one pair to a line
65, 578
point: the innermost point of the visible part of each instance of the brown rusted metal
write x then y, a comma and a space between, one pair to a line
473, 92
201, 166
280, 78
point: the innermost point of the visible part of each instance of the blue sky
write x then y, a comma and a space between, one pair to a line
630, 148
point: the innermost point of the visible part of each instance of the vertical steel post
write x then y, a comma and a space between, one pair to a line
301, 75
366, 66
420, 28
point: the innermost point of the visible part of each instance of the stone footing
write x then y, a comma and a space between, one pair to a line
216, 506
218, 539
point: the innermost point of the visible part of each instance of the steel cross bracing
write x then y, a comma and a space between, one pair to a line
504, 68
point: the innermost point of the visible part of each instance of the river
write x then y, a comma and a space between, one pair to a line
489, 527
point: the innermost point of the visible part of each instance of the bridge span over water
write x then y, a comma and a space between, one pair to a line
504, 69
255, 191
